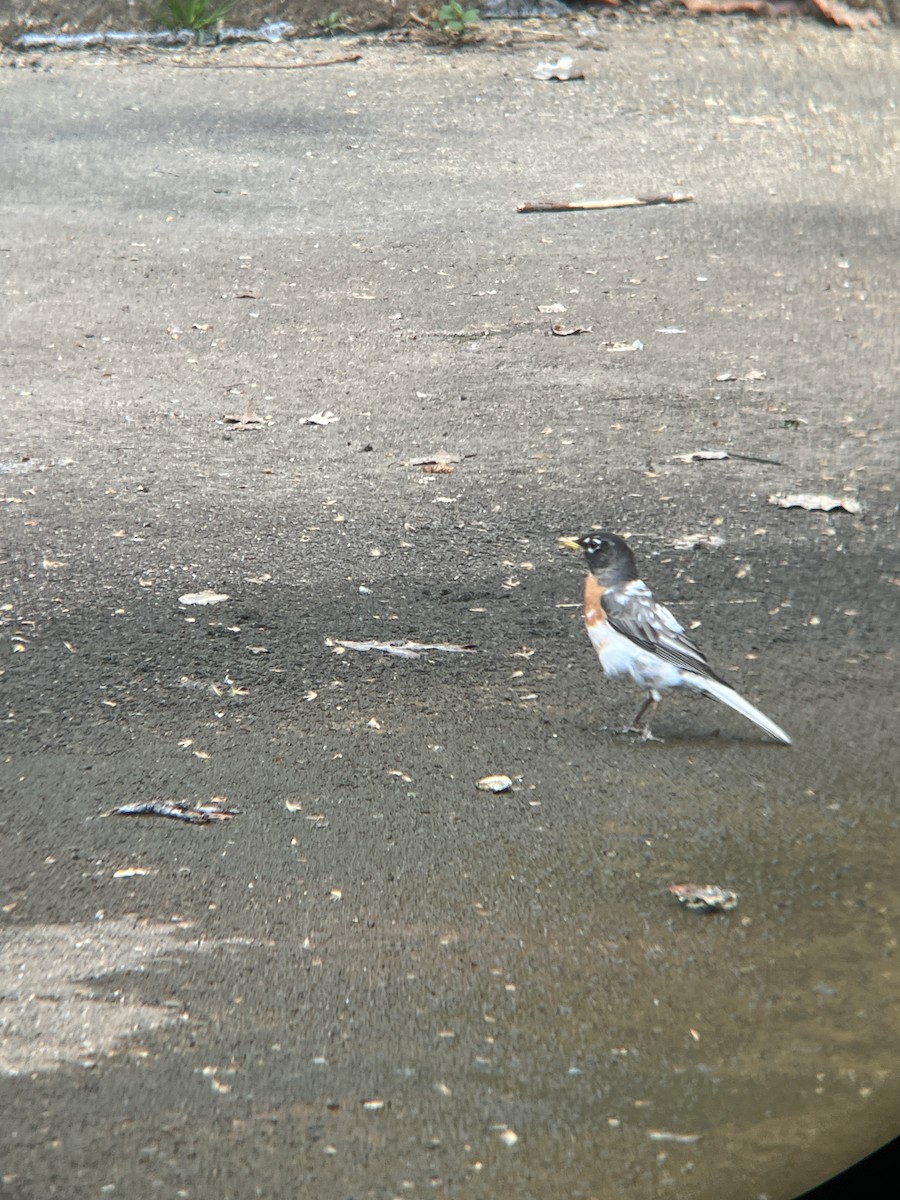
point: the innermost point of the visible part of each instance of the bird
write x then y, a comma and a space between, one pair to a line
636, 636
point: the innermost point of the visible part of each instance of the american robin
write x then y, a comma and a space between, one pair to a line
636, 636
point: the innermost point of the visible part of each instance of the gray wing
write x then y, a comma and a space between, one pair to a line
632, 611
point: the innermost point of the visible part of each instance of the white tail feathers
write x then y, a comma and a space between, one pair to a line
726, 695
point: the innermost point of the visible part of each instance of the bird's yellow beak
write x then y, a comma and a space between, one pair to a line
570, 543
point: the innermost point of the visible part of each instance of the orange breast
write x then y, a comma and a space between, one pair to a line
593, 609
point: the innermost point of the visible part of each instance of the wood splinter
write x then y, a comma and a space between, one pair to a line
616, 202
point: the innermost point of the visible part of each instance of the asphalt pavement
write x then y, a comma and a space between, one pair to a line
280, 339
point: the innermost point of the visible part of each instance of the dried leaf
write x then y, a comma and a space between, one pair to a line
623, 347
563, 70
704, 897
839, 14
245, 420
205, 597
816, 503
849, 18
494, 783
759, 8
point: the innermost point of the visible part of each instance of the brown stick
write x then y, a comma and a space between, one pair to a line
264, 66
619, 202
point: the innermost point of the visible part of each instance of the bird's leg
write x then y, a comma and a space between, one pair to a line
641, 723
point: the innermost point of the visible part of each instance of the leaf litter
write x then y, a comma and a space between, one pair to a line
833, 10
816, 503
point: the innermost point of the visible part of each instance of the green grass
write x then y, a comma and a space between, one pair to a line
453, 21
332, 23
198, 15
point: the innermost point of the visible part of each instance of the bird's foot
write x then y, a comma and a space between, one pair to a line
647, 736
642, 731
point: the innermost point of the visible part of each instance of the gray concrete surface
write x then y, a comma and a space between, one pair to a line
377, 981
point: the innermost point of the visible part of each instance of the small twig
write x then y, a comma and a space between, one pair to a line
524, 39
722, 455
179, 810
617, 202
561, 331
400, 649
769, 462
265, 66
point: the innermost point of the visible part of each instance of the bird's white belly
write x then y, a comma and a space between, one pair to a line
620, 656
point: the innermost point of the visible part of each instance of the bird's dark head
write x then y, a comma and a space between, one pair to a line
608, 556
